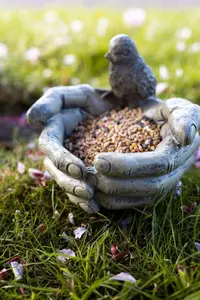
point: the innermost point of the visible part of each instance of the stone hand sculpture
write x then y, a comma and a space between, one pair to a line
130, 78
117, 180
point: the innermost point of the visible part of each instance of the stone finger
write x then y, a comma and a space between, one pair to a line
70, 185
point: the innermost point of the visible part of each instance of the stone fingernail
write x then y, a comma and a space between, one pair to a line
102, 165
75, 171
82, 192
191, 134
91, 207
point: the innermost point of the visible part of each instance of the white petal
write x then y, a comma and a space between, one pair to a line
197, 246
134, 17
47, 73
180, 46
21, 167
124, 277
102, 26
71, 218
164, 74
184, 33
161, 87
76, 26
32, 54
66, 253
47, 175
3, 50
79, 232
50, 17
195, 47
31, 145
69, 59
17, 269
179, 72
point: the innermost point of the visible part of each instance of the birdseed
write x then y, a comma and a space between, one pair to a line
125, 131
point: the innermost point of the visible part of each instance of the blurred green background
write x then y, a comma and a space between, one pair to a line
44, 48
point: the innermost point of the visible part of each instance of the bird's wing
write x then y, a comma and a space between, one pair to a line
146, 84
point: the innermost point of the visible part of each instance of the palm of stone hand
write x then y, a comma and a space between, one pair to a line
117, 180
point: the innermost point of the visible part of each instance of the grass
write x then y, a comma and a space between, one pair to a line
158, 242
157, 245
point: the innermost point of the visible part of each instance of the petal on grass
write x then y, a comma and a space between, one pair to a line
65, 254
35, 174
3, 274
124, 277
17, 269
197, 245
21, 167
113, 249
47, 176
79, 232
71, 218
189, 208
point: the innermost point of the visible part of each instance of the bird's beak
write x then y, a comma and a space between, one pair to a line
108, 56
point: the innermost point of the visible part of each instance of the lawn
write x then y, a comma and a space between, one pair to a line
155, 245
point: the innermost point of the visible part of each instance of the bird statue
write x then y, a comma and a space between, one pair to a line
130, 78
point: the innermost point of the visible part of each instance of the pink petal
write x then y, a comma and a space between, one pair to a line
79, 232
21, 167
17, 270
113, 249
197, 154
197, 164
124, 277
65, 254
3, 274
35, 174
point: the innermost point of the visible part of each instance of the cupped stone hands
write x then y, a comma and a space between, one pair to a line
117, 180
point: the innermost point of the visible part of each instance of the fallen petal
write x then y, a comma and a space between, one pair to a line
70, 284
22, 291
113, 249
71, 218
79, 232
35, 174
31, 145
197, 246
21, 167
197, 155
65, 253
124, 277
119, 255
189, 208
47, 176
3, 274
16, 258
197, 164
17, 269
42, 227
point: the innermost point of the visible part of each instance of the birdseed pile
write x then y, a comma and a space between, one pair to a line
124, 131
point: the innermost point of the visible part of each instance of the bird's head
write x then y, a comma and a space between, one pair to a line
121, 49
